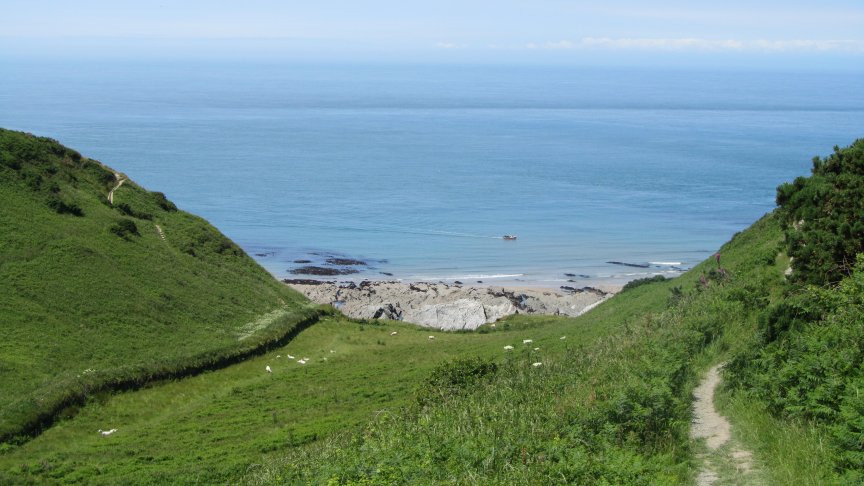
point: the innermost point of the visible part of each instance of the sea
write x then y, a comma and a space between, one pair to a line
418, 170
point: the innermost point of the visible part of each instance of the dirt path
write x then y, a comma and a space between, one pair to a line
119, 183
725, 460
159, 230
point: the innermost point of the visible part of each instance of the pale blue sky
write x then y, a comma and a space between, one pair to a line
445, 29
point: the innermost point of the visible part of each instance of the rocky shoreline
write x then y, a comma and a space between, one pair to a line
443, 306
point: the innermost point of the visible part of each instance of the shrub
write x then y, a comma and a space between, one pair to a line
163, 202
128, 211
642, 281
823, 216
124, 228
63, 207
452, 377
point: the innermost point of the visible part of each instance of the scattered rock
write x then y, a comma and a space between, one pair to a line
386, 273
303, 281
573, 290
636, 265
388, 311
569, 274
442, 306
302, 261
344, 261
313, 270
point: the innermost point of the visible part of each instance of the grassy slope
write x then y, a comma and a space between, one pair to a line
609, 402
74, 296
213, 426
615, 411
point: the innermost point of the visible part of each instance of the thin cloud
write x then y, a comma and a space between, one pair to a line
449, 45
692, 43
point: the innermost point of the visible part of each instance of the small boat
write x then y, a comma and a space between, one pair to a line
509, 237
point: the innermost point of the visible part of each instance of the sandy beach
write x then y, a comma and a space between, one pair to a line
445, 306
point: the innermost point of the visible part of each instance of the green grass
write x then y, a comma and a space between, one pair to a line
187, 324
609, 403
789, 452
83, 308
213, 426
614, 409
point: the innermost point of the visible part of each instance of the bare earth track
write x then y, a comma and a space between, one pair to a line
120, 182
709, 425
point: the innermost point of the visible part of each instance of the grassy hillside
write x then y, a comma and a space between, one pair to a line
91, 294
608, 404
803, 375
610, 410
611, 401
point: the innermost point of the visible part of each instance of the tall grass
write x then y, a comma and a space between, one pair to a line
612, 411
84, 309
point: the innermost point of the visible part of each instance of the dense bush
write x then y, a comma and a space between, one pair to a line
129, 211
809, 364
203, 241
124, 228
452, 377
642, 281
163, 202
63, 207
806, 364
823, 212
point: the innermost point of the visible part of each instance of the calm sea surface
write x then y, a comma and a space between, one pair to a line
420, 170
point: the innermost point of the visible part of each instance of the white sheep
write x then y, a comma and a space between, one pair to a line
527, 341
536, 349
508, 347
289, 356
536, 364
394, 333
106, 433
301, 361
267, 368
563, 337
431, 337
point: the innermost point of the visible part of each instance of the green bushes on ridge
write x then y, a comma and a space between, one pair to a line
824, 214
807, 364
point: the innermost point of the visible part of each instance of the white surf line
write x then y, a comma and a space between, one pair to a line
119, 183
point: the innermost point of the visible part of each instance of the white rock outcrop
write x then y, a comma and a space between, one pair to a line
445, 306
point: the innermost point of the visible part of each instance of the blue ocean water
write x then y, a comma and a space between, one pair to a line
419, 169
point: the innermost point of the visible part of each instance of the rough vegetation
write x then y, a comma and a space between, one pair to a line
604, 398
824, 216
92, 298
614, 409
807, 365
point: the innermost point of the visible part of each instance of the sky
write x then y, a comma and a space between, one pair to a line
782, 32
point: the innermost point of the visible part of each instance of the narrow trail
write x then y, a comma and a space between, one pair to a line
725, 461
161, 233
119, 183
